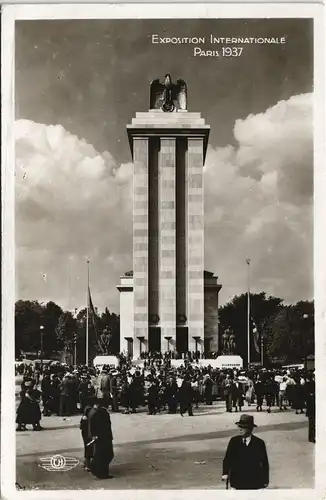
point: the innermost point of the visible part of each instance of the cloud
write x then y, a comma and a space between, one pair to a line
258, 203
73, 203
278, 144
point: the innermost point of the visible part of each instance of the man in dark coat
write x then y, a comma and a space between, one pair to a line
73, 389
84, 424
208, 391
65, 394
269, 393
100, 433
260, 391
55, 394
298, 396
245, 464
114, 392
186, 397
86, 391
134, 392
311, 410
46, 394
171, 395
152, 398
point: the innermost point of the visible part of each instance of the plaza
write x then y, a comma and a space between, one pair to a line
167, 451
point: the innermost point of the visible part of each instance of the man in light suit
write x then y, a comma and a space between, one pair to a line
105, 384
245, 465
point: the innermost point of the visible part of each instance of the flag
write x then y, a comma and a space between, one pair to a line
255, 335
93, 313
90, 303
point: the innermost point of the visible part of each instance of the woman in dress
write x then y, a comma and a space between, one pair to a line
28, 411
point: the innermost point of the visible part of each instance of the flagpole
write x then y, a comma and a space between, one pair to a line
87, 313
248, 311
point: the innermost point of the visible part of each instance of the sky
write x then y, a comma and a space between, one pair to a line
78, 83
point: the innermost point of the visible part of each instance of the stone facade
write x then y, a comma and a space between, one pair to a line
195, 242
126, 312
167, 238
140, 238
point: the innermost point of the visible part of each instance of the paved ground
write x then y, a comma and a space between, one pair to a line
167, 451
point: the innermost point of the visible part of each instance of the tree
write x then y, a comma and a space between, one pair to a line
290, 333
93, 336
65, 332
51, 314
233, 316
59, 330
28, 319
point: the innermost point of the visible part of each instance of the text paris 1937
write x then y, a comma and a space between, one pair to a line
222, 52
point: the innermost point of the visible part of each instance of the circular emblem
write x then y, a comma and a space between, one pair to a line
154, 318
182, 319
58, 462
168, 106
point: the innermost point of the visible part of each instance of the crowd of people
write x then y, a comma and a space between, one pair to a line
189, 355
160, 386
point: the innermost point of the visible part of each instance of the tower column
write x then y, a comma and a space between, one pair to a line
140, 242
195, 243
167, 239
168, 150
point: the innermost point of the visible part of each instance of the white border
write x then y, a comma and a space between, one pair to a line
155, 11
160, 11
210, 2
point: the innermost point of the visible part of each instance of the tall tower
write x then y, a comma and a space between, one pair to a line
168, 146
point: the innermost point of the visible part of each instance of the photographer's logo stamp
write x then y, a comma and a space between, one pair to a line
58, 463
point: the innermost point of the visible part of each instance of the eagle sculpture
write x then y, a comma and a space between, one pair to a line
168, 96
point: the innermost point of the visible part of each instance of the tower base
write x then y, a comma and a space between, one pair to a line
157, 341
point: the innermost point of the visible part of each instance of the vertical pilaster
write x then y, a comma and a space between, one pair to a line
167, 240
153, 232
211, 317
140, 241
168, 258
181, 231
195, 243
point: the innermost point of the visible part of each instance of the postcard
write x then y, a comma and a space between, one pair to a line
163, 272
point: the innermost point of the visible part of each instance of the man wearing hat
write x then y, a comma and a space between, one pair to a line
186, 396
245, 465
65, 396
100, 434
86, 391
311, 408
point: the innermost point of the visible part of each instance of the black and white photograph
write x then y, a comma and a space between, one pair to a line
164, 304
